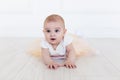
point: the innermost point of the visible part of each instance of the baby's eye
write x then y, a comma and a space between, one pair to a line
48, 31
56, 30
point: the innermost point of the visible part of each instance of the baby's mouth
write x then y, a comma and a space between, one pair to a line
52, 39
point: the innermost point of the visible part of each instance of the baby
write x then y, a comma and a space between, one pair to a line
57, 48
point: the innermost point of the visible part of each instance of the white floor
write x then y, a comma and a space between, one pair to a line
16, 64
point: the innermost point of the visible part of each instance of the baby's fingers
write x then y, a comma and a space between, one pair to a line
67, 66
52, 66
49, 66
74, 66
70, 66
55, 66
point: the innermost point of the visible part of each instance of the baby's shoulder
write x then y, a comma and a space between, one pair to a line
44, 43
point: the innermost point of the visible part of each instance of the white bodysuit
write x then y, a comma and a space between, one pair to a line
60, 51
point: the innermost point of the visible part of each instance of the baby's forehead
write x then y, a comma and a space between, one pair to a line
54, 25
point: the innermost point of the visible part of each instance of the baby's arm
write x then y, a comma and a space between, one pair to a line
70, 61
47, 59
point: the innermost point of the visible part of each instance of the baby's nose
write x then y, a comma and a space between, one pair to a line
52, 34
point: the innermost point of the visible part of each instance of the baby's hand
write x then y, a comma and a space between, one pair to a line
69, 64
53, 65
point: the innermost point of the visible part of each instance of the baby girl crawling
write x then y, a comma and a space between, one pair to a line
57, 49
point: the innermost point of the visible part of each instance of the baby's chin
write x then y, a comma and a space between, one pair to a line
54, 42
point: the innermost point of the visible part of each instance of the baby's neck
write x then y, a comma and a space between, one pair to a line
55, 46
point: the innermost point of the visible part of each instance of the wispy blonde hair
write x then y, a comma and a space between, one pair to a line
54, 18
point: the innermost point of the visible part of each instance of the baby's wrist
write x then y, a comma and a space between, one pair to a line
70, 60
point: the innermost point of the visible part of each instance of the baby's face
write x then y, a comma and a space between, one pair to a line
54, 32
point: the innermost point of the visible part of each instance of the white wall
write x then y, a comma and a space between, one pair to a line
91, 18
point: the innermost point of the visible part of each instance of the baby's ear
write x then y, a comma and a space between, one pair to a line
65, 31
43, 30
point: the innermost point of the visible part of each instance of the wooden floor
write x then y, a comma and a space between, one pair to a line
16, 64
